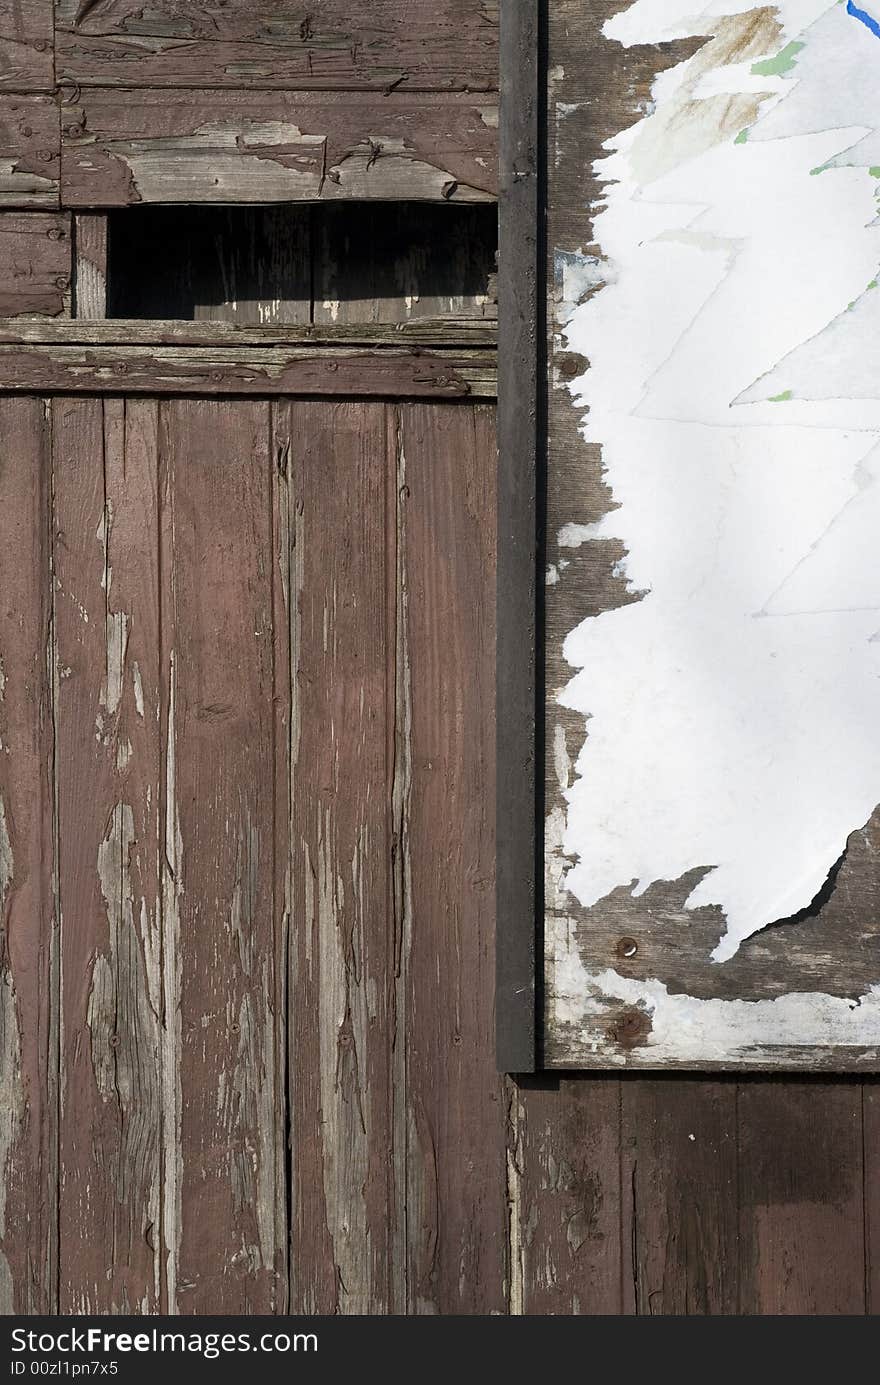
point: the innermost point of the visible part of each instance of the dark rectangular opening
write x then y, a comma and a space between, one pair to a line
339, 262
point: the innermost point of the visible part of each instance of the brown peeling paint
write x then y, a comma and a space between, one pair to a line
278, 146
429, 45
28, 996
30, 144
35, 250
11, 1087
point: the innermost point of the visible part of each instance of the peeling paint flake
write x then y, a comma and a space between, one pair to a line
730, 329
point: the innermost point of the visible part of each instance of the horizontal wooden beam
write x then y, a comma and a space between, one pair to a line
120, 148
426, 45
430, 333
247, 370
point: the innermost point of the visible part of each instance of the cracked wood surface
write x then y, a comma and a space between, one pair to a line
282, 370
107, 675
399, 1195
271, 656
426, 45
90, 267
35, 251
441, 333
27, 59
30, 151
28, 906
279, 146
455, 1125
346, 1250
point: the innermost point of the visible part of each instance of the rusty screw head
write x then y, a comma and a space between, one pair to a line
627, 947
632, 1028
570, 366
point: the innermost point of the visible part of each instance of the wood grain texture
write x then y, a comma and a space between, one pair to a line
870, 1091
248, 370
801, 1194
26, 45
456, 1212
453, 333
28, 917
679, 1188
106, 630
521, 443
425, 45
225, 1208
347, 1223
35, 251
90, 265
567, 1197
30, 151
280, 146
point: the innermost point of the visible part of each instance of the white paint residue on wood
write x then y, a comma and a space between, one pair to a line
686, 1029
733, 388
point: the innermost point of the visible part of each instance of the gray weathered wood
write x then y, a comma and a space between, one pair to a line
436, 334
423, 45
280, 146
30, 151
35, 250
90, 266
26, 45
248, 370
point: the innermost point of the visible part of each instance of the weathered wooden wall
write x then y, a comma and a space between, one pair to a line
246, 833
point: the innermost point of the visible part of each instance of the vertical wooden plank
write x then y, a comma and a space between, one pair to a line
106, 622
346, 1217
456, 1114
30, 150
90, 268
28, 999
566, 1196
522, 427
870, 1087
679, 1153
801, 1189
27, 53
223, 1214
